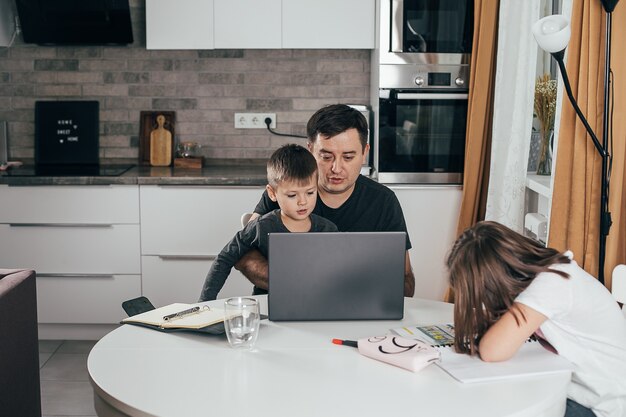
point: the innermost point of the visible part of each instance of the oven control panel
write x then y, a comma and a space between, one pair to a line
422, 76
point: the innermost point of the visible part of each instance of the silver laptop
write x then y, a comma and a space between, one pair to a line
336, 276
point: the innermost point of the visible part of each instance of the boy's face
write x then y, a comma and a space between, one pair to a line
296, 200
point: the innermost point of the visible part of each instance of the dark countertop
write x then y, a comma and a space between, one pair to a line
235, 175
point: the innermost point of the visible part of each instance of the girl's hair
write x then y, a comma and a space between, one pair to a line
291, 162
489, 266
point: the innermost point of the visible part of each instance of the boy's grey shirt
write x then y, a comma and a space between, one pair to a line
254, 235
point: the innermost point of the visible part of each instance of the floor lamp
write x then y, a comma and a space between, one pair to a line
552, 33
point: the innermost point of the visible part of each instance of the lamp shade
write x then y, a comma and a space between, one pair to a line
552, 33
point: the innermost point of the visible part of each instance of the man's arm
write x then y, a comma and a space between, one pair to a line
253, 266
409, 278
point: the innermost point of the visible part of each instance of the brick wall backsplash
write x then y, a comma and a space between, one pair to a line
204, 87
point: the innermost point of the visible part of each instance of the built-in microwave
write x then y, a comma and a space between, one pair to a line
426, 31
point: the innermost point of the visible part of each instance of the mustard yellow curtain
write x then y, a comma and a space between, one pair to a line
479, 114
574, 219
479, 117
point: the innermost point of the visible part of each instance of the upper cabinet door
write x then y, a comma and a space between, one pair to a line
329, 24
184, 24
249, 24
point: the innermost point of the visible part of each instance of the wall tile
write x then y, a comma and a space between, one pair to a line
266, 105
50, 91
222, 103
169, 77
220, 78
102, 65
205, 88
221, 53
315, 79
79, 52
56, 65
78, 77
174, 103
105, 90
126, 77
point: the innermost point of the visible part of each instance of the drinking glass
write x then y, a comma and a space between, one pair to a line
241, 321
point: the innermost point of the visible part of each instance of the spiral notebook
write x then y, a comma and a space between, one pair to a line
531, 359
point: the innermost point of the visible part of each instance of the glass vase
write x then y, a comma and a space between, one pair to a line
544, 162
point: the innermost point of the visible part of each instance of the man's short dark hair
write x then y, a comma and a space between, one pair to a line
290, 162
334, 119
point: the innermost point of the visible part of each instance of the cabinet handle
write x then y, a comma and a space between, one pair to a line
47, 275
188, 257
60, 225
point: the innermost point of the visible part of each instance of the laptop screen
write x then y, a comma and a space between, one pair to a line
336, 276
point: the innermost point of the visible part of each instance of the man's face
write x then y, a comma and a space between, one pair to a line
296, 200
339, 160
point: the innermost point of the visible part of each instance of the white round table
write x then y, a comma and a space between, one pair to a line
296, 370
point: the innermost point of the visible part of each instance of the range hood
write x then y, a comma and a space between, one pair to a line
75, 22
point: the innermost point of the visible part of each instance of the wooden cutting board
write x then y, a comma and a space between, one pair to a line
160, 145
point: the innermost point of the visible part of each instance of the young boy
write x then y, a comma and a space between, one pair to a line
292, 183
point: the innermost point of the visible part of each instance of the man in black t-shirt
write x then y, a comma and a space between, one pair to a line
337, 138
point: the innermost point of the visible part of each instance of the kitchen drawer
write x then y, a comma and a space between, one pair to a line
169, 280
111, 249
70, 204
84, 299
179, 220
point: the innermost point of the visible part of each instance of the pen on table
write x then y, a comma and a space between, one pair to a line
351, 343
181, 313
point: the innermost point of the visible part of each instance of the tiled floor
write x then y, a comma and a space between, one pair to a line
65, 387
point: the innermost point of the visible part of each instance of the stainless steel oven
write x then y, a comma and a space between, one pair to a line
426, 31
421, 136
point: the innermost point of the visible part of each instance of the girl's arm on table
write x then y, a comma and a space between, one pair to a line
505, 336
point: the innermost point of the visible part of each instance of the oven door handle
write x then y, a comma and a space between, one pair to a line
431, 96
396, 25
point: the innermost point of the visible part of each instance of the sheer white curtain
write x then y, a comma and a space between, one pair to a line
513, 112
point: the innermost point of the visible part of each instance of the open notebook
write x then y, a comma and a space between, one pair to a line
205, 320
531, 359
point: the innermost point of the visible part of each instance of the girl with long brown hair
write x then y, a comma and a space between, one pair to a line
508, 287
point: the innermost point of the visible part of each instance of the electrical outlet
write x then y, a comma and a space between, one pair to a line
254, 120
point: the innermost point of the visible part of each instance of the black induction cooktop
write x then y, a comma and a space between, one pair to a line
69, 170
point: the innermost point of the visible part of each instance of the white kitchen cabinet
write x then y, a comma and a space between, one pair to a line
89, 204
431, 215
83, 242
329, 24
71, 248
169, 279
183, 228
186, 24
247, 24
251, 24
93, 299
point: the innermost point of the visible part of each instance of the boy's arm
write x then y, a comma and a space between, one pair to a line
254, 266
240, 244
